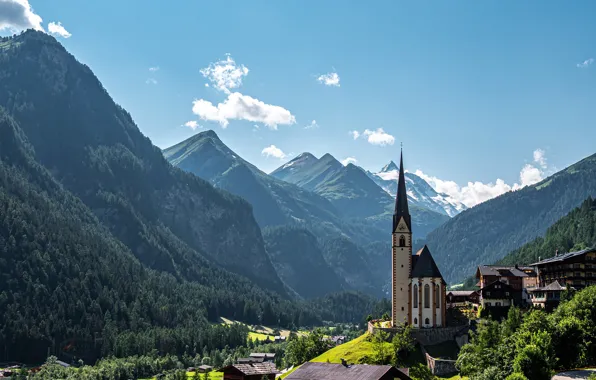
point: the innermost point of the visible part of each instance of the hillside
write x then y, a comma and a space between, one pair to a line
485, 233
353, 192
573, 232
299, 261
168, 219
66, 278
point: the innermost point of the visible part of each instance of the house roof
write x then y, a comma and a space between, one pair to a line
552, 287
423, 264
565, 256
461, 293
503, 271
265, 368
328, 371
493, 284
401, 198
262, 355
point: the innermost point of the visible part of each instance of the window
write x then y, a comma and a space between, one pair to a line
498, 304
415, 297
438, 296
488, 304
507, 294
402, 308
426, 321
426, 296
415, 321
402, 241
488, 294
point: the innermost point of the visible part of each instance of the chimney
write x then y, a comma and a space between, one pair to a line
556, 253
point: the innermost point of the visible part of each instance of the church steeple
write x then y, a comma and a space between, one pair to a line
401, 201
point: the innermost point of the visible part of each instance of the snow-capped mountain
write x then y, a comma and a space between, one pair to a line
419, 191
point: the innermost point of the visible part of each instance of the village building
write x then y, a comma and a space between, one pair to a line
417, 287
250, 371
577, 269
547, 297
328, 371
499, 294
512, 275
462, 298
267, 357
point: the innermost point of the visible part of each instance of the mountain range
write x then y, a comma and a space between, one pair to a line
420, 193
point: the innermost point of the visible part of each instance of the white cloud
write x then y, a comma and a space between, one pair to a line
585, 63
225, 74
540, 158
273, 151
58, 29
477, 192
154, 69
17, 15
329, 79
313, 124
192, 124
355, 134
151, 81
243, 107
348, 160
378, 137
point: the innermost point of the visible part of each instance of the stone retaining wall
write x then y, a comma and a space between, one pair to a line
431, 336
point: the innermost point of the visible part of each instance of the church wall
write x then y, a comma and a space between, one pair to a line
421, 313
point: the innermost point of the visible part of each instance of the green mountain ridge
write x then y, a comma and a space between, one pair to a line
573, 232
169, 219
487, 232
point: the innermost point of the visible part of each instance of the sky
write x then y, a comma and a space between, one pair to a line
486, 96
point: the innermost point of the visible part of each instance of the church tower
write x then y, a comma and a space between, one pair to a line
401, 254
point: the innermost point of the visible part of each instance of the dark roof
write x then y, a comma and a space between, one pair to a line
204, 366
423, 264
250, 360
265, 368
564, 256
461, 293
262, 355
401, 200
328, 371
505, 286
552, 287
503, 271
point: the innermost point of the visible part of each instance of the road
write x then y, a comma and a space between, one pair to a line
574, 375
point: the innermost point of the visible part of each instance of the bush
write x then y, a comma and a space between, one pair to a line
516, 376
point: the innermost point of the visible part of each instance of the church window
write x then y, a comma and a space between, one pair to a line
427, 321
402, 308
415, 297
437, 296
402, 241
427, 296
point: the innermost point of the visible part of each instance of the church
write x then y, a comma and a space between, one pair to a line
417, 287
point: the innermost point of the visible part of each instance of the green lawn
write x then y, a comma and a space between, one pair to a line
260, 336
354, 351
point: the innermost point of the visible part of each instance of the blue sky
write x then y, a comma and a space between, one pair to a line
472, 88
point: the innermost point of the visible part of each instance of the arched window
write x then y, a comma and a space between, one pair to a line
415, 296
426, 296
427, 321
438, 296
402, 241
415, 321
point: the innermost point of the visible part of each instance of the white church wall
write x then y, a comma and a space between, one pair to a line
426, 319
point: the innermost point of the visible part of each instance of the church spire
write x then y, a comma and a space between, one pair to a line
401, 201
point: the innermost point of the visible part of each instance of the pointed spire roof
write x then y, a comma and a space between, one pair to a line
424, 265
401, 200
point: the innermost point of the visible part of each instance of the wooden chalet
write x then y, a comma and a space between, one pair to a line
250, 371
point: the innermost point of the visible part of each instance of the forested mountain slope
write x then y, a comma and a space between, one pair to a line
65, 278
485, 233
169, 219
573, 232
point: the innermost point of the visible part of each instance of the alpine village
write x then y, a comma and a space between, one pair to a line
121, 260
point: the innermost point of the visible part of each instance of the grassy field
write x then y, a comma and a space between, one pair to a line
354, 351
